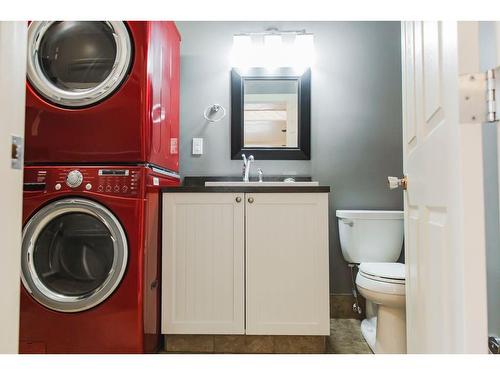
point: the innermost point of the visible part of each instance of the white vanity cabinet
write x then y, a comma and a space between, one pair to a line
203, 241
245, 263
287, 287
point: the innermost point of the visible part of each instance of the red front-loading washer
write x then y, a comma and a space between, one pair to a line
103, 92
90, 259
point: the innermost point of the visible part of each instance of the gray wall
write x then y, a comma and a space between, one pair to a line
356, 113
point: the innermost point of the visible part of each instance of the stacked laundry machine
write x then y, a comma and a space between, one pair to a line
102, 138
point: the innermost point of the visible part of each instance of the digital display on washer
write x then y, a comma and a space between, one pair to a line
113, 172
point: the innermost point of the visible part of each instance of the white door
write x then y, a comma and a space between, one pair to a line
203, 263
287, 272
444, 211
13, 40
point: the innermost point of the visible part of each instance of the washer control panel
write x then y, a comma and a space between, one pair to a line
117, 181
74, 178
109, 181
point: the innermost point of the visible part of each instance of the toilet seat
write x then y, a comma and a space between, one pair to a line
385, 272
377, 286
387, 278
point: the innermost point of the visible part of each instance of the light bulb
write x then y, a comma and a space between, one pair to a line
303, 51
242, 51
273, 51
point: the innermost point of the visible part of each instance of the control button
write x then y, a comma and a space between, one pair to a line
58, 187
117, 188
124, 189
100, 188
74, 178
88, 186
108, 188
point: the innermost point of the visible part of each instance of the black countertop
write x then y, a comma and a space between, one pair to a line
197, 185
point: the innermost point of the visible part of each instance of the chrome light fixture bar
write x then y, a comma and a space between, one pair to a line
273, 48
274, 31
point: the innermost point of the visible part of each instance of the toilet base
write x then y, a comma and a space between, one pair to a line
369, 331
391, 339
390, 323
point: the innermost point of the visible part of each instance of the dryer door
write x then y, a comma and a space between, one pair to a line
74, 255
77, 63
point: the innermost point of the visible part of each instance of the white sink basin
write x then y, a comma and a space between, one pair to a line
262, 184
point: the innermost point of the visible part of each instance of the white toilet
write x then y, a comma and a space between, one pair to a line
374, 239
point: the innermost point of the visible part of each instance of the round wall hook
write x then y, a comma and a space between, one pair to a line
214, 113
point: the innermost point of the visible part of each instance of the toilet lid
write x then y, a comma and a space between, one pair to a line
392, 271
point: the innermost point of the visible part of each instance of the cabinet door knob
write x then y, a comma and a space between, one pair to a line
238, 199
250, 200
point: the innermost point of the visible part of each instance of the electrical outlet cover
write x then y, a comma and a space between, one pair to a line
197, 146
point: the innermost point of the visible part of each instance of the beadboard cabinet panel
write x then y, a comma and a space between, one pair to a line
203, 263
287, 270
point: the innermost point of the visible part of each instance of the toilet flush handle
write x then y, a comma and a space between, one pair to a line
347, 222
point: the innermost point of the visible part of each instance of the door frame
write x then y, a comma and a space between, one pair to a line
13, 43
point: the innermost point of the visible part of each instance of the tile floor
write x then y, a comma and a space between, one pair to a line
346, 338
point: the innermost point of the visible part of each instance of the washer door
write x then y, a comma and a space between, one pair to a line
77, 63
74, 255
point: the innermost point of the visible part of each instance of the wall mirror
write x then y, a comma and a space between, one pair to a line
270, 114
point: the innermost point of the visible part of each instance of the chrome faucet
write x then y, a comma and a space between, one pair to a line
246, 166
261, 174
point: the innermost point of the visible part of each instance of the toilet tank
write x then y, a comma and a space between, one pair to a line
370, 236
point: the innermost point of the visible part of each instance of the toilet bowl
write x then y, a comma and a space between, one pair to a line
383, 286
374, 240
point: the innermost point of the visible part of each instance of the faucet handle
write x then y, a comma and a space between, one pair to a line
260, 173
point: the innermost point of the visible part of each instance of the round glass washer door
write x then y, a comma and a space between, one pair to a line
74, 255
77, 63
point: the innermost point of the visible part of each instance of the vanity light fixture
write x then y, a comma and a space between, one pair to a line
242, 51
303, 57
273, 49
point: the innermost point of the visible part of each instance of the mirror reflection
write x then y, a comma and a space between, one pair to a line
270, 114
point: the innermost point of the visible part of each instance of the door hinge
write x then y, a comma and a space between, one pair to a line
492, 114
17, 152
478, 97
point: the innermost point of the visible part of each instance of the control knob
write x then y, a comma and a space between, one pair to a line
74, 178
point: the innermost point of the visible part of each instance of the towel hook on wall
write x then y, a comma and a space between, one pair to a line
214, 113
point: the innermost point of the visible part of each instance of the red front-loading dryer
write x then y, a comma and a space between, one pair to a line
103, 92
90, 259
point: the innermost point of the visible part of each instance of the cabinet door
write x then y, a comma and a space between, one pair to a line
203, 263
287, 279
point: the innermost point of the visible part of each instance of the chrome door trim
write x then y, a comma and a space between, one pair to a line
164, 172
78, 98
31, 281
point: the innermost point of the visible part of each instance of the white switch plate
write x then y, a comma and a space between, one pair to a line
197, 146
